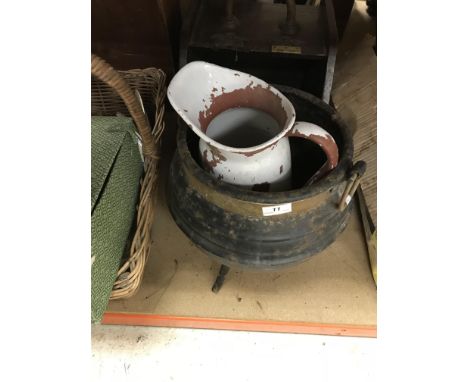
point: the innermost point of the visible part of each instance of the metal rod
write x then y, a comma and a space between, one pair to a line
332, 50
229, 9
349, 185
223, 270
290, 27
291, 11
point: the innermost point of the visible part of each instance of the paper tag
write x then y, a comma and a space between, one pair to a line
348, 199
277, 210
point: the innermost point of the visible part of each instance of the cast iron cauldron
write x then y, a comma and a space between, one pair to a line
228, 222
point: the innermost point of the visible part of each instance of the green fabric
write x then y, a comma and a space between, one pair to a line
116, 168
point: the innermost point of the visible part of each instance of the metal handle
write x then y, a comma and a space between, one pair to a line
323, 139
290, 27
356, 173
230, 21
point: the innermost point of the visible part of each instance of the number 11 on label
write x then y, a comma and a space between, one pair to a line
277, 210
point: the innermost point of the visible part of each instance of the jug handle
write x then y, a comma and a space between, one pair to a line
322, 138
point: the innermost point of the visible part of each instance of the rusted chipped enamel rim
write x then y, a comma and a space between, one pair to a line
214, 88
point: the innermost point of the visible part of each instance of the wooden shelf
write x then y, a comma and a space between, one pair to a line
331, 293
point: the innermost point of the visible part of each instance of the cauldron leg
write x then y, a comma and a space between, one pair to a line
223, 270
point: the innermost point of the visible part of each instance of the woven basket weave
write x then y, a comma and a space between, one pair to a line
113, 92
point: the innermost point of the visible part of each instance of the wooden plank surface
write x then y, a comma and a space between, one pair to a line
355, 97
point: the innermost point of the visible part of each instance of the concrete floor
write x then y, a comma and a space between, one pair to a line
147, 353
141, 353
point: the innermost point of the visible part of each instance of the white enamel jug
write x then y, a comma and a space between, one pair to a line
243, 124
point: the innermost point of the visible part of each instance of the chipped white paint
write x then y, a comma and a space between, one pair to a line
192, 87
191, 93
307, 128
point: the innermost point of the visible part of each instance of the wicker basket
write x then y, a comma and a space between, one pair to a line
113, 92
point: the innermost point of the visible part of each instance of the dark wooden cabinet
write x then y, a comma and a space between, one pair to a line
258, 45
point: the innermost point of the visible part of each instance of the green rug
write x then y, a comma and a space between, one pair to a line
116, 169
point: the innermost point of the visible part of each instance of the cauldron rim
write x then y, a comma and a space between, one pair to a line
334, 178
